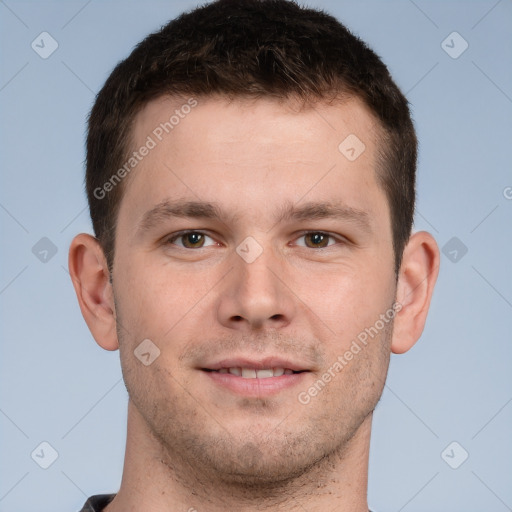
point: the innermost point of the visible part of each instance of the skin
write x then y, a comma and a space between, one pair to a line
192, 444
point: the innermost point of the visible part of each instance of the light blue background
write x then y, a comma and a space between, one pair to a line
58, 386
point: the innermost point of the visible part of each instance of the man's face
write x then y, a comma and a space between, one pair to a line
255, 289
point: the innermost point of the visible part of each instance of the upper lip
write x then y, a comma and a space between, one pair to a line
257, 364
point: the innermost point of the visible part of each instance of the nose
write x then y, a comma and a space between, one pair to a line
256, 295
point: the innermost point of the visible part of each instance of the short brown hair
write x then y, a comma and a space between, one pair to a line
250, 48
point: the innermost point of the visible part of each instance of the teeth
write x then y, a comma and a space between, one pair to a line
251, 373
248, 373
263, 374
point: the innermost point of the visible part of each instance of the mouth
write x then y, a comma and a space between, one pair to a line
254, 373
251, 378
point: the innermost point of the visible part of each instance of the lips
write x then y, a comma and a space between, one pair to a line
256, 368
254, 373
255, 377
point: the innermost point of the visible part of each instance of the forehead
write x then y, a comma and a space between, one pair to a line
217, 121
251, 155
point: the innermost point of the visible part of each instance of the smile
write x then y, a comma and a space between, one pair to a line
254, 373
253, 382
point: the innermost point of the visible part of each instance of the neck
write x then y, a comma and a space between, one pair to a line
157, 481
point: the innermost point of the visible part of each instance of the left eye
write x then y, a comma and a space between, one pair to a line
196, 240
318, 239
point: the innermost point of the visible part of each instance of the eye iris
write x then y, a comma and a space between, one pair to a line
318, 238
193, 238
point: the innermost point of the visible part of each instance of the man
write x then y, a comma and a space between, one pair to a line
251, 182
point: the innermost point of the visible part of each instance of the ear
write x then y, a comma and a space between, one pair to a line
416, 280
89, 273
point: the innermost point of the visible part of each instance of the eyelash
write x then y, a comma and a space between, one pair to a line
181, 234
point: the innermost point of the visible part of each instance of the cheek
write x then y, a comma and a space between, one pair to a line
350, 299
155, 300
138, 302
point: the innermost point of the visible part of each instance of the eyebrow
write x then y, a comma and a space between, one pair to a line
169, 209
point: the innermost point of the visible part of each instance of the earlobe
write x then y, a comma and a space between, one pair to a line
416, 281
90, 276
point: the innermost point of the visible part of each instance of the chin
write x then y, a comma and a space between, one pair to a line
262, 462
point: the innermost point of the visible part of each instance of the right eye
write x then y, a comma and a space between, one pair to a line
189, 239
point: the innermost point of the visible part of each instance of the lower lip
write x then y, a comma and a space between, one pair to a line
255, 387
